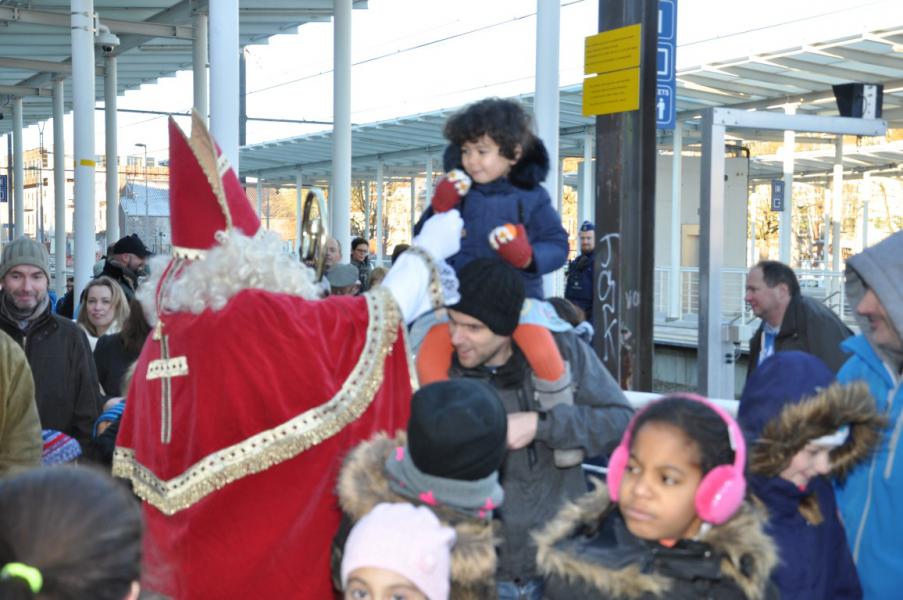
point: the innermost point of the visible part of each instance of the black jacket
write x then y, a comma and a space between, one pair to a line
588, 552
66, 388
126, 278
113, 362
808, 326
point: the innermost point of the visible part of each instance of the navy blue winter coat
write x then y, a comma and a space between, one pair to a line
517, 198
579, 287
814, 560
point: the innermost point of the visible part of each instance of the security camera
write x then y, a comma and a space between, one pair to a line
105, 39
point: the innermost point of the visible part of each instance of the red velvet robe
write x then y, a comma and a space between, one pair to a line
239, 501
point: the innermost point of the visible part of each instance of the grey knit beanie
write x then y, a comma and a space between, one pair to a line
24, 251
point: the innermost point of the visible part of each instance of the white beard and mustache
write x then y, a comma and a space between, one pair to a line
236, 263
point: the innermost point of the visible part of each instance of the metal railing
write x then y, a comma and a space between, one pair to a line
826, 286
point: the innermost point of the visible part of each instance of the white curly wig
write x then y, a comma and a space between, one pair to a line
237, 263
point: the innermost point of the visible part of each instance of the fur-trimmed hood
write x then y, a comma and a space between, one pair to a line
822, 414
363, 484
748, 555
531, 170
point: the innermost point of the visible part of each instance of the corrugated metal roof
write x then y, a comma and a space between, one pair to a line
155, 41
801, 75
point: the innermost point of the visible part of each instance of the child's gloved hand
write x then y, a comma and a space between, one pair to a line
453, 186
511, 242
441, 235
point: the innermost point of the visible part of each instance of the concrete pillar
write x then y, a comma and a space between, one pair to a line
199, 64
340, 200
111, 131
786, 223
18, 170
224, 51
59, 189
83, 86
545, 106
674, 283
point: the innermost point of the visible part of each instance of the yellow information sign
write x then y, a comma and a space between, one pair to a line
611, 93
612, 50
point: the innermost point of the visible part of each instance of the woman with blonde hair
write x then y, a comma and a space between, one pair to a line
103, 309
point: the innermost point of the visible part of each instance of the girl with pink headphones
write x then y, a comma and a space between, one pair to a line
672, 521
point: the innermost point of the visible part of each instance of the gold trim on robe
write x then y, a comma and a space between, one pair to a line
284, 441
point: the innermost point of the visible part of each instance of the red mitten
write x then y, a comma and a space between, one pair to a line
511, 242
453, 186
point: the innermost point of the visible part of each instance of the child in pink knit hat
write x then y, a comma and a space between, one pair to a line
398, 550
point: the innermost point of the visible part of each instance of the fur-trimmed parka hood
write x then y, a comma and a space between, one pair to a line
817, 416
362, 484
747, 554
529, 172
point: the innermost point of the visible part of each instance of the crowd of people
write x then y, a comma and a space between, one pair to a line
419, 430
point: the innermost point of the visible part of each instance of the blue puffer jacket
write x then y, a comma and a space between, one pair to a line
517, 198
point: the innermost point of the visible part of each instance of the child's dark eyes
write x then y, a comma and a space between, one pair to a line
668, 480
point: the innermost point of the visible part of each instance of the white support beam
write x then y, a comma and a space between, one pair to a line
111, 134
83, 85
428, 184
59, 189
22, 90
18, 171
785, 225
199, 65
259, 197
299, 209
587, 195
674, 311
380, 198
866, 194
62, 20
43, 66
413, 206
545, 104
730, 117
340, 198
224, 51
836, 203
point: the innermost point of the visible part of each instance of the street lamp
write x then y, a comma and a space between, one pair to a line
146, 213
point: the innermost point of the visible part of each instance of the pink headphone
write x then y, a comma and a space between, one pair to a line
721, 491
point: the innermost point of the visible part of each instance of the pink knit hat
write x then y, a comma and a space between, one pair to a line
405, 540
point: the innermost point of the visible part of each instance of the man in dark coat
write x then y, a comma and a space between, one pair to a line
791, 321
579, 288
65, 378
126, 263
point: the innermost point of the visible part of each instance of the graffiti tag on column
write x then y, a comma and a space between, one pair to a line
632, 299
607, 292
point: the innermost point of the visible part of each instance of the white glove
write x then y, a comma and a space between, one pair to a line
441, 235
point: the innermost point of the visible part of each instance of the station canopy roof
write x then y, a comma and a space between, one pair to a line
802, 75
155, 41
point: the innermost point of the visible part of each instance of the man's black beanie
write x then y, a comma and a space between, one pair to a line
492, 292
457, 430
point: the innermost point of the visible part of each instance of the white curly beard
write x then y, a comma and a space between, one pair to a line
237, 263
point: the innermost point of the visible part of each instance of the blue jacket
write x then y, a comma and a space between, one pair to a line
579, 287
871, 498
517, 199
814, 561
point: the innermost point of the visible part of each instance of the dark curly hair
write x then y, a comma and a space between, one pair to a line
503, 120
698, 422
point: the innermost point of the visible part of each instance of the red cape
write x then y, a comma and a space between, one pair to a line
240, 502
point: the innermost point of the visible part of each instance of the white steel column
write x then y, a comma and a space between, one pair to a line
380, 194
340, 201
367, 208
111, 130
714, 379
866, 194
18, 170
674, 273
224, 51
413, 203
428, 184
588, 196
545, 105
299, 208
82, 16
836, 204
59, 189
259, 197
199, 64
786, 223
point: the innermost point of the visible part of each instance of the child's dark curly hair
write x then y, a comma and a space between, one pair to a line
502, 120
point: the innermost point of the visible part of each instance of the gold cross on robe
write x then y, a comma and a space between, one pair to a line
166, 368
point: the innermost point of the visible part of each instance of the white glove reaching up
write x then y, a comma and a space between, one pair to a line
409, 277
441, 235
